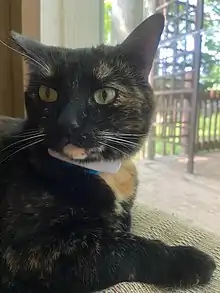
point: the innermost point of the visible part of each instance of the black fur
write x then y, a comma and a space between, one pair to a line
60, 230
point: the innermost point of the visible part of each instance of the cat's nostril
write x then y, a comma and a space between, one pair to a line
43, 119
46, 111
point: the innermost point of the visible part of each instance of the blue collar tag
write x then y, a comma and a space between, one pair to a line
90, 171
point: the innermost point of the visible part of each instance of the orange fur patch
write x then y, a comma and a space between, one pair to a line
124, 182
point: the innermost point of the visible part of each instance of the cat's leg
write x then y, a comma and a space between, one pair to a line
131, 258
111, 260
126, 217
125, 222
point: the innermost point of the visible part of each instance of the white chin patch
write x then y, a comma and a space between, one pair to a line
102, 166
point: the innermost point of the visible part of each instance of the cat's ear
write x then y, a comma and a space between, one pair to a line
141, 45
34, 53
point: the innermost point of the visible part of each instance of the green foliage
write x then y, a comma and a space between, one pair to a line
210, 58
107, 21
208, 127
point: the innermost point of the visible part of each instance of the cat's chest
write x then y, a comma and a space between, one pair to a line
124, 182
28, 195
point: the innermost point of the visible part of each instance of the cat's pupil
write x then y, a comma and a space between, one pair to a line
47, 93
104, 95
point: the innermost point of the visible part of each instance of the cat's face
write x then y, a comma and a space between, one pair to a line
94, 102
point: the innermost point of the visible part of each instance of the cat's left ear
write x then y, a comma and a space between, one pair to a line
141, 45
34, 52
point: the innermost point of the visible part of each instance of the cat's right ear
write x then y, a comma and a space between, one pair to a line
34, 53
141, 45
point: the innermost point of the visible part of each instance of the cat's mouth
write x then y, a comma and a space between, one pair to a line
74, 153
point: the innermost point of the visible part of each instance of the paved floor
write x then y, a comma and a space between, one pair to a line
194, 198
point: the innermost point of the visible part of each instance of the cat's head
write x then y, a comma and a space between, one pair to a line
95, 100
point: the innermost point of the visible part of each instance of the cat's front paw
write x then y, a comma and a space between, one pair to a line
190, 266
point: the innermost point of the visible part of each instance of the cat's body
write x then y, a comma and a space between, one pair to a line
64, 228
55, 223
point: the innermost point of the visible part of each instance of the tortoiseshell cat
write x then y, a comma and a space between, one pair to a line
66, 228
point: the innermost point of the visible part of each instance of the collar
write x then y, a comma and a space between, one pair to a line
94, 168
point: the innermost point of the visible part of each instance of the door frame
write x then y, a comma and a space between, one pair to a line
22, 16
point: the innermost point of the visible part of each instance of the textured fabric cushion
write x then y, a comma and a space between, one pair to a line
158, 225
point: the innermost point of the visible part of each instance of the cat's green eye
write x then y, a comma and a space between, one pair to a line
47, 94
105, 96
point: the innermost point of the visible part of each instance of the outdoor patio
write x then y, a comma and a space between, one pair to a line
179, 168
165, 185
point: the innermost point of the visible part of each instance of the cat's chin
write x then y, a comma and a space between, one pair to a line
75, 153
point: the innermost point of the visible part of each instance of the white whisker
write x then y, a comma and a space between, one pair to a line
23, 148
26, 134
122, 134
26, 56
129, 147
110, 146
120, 140
124, 145
20, 141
